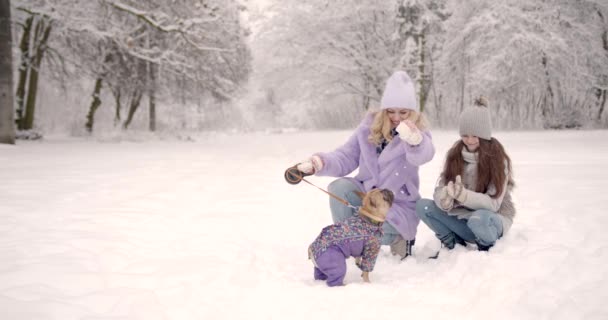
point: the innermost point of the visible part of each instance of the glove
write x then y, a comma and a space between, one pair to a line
311, 165
456, 190
409, 133
445, 200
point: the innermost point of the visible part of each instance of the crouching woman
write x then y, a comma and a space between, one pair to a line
472, 200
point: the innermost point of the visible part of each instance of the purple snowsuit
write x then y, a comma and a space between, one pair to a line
396, 169
354, 237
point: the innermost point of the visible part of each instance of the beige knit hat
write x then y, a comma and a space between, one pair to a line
475, 120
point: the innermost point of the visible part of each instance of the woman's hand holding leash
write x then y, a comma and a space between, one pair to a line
308, 167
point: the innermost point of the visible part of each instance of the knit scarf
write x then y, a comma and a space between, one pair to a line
469, 172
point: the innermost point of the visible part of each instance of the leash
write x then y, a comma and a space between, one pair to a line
294, 176
359, 210
343, 201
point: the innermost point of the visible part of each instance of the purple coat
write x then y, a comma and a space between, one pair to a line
396, 169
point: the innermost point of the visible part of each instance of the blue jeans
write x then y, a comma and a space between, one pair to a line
345, 189
483, 227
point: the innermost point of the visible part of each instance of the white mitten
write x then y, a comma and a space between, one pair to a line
311, 165
445, 200
411, 136
457, 190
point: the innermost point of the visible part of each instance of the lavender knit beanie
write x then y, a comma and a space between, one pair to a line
399, 92
475, 120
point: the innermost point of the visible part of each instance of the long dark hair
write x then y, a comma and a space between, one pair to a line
491, 163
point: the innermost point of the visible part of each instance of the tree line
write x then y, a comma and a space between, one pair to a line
541, 63
133, 52
310, 64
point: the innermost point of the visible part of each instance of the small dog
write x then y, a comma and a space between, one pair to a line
359, 236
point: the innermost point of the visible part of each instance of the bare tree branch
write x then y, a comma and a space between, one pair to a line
142, 15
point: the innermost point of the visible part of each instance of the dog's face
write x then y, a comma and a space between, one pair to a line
378, 202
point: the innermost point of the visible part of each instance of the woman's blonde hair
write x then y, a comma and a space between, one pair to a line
381, 125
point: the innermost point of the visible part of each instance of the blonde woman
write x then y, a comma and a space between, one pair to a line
387, 147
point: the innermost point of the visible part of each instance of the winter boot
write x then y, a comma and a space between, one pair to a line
451, 242
449, 245
401, 247
482, 247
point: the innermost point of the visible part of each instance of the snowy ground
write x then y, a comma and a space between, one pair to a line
210, 230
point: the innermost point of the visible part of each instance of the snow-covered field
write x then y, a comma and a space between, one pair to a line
210, 230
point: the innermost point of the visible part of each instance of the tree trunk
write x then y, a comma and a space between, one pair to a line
436, 100
365, 102
24, 67
41, 35
136, 99
423, 79
151, 86
7, 126
463, 78
602, 104
152, 97
94, 105
603, 92
117, 92
549, 96
152, 100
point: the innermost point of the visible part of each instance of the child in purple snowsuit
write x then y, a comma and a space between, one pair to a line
359, 236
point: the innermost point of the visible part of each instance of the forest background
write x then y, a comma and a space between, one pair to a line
105, 66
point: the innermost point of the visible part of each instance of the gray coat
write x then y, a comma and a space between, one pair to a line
503, 204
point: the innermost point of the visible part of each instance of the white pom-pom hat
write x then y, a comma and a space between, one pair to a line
399, 93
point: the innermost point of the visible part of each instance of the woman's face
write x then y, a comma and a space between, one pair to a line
471, 142
397, 115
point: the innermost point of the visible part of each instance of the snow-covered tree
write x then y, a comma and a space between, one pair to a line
418, 34
541, 63
153, 50
178, 42
33, 45
337, 53
340, 53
